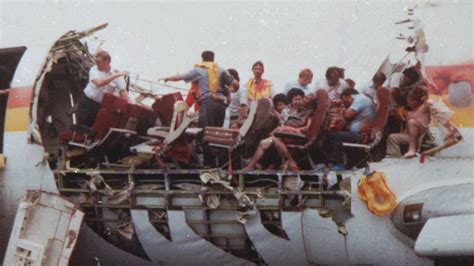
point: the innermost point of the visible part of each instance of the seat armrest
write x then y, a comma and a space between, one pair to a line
83, 130
160, 132
356, 145
287, 135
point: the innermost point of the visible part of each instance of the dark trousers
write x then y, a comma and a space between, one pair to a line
87, 111
211, 114
334, 144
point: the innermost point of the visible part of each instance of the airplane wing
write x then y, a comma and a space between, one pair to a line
447, 236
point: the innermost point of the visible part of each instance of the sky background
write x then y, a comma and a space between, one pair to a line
158, 39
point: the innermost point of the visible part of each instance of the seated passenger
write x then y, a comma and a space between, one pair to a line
401, 83
350, 83
102, 78
360, 115
257, 87
371, 91
417, 122
280, 105
304, 79
333, 84
297, 122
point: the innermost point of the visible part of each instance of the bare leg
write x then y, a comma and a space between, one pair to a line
262, 147
394, 141
415, 132
283, 150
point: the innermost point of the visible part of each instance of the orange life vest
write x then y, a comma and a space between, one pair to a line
212, 75
376, 194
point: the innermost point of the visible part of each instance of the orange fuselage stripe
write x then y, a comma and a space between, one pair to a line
19, 97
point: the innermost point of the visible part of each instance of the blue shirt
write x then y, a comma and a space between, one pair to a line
200, 76
365, 110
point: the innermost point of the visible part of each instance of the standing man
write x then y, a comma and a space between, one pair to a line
257, 87
212, 80
102, 79
304, 79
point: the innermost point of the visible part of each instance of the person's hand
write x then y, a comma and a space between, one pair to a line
336, 102
121, 73
164, 80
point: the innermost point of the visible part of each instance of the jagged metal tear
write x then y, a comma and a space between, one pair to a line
186, 248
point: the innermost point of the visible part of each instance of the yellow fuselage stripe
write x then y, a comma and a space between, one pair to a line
17, 119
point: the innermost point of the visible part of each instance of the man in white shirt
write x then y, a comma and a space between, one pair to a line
304, 79
102, 79
333, 84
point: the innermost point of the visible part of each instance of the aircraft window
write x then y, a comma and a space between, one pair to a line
412, 213
460, 94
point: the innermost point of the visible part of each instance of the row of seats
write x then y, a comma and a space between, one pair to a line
117, 113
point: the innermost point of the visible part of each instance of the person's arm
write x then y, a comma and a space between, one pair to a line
356, 107
218, 98
243, 102
304, 128
243, 111
349, 114
100, 82
192, 75
123, 94
172, 78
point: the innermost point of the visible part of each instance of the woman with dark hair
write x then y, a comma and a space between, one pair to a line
257, 87
297, 123
418, 119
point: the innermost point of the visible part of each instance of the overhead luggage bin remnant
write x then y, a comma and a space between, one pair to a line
45, 230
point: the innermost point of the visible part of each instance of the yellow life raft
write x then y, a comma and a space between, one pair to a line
378, 197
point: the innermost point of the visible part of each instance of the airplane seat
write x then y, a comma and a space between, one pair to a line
264, 122
111, 111
139, 118
302, 143
359, 153
164, 107
149, 119
222, 141
174, 144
